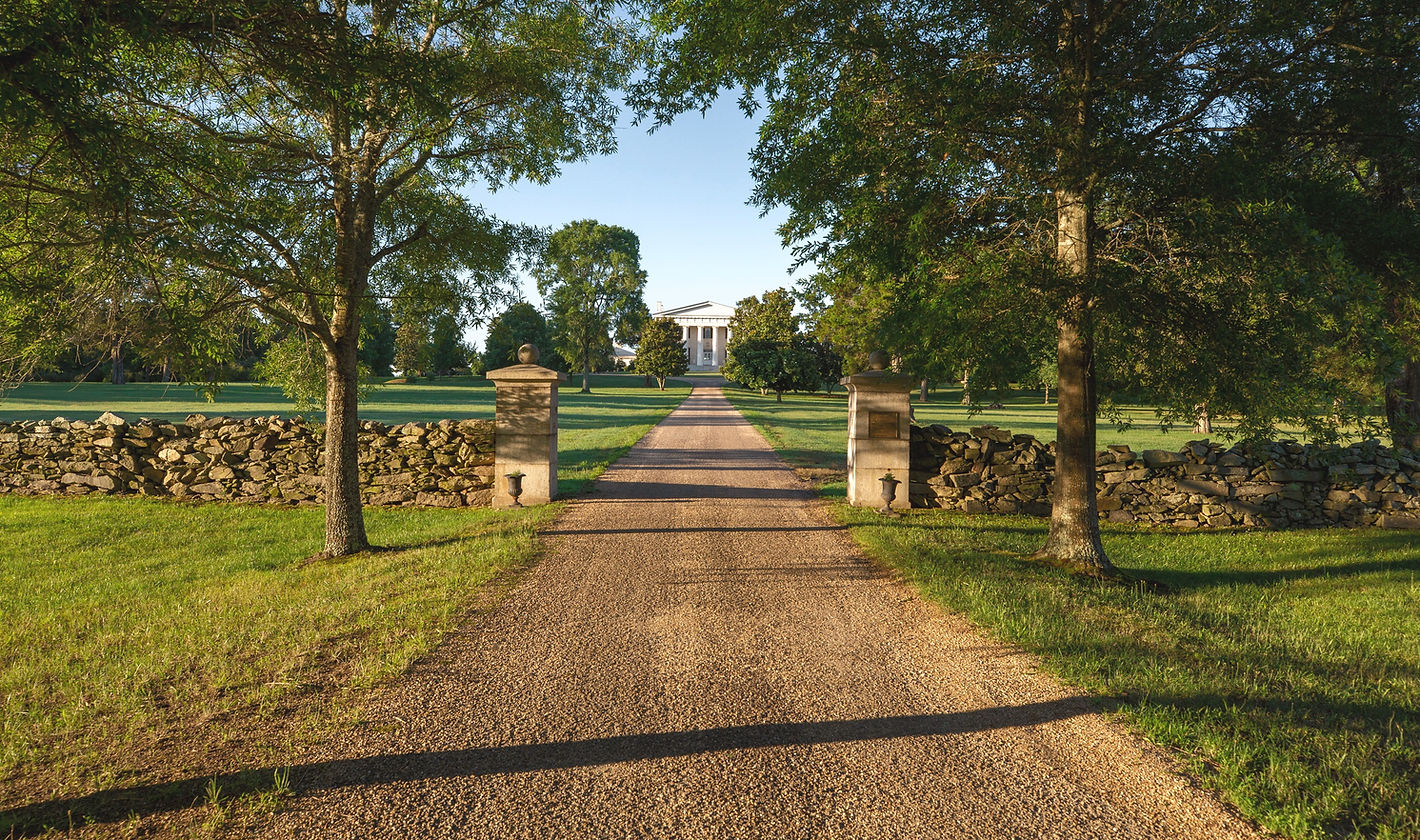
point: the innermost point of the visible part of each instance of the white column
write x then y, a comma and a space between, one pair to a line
719, 346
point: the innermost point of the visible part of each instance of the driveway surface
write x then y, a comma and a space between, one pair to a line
702, 653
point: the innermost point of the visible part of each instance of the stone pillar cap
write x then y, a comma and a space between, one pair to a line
525, 373
881, 380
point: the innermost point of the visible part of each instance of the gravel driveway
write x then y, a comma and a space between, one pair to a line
702, 653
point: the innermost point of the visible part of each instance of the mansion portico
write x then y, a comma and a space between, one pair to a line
705, 328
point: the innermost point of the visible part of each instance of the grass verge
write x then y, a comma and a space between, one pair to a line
140, 631
148, 644
1283, 668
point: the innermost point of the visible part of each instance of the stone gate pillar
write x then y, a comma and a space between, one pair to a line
525, 429
879, 432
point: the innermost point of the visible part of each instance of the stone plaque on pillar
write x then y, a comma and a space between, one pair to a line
882, 425
525, 429
879, 432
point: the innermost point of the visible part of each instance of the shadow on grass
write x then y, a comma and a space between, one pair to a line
1307, 559
1202, 579
144, 800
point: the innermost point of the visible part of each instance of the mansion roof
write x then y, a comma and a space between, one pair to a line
707, 311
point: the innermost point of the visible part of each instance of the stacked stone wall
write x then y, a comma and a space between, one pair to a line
1280, 484
258, 459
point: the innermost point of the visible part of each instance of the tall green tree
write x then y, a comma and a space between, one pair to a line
515, 326
766, 350
79, 167
412, 345
313, 157
828, 364
447, 348
661, 351
377, 339
1343, 143
591, 280
1015, 147
771, 318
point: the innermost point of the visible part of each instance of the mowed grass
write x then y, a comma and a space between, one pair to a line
133, 626
593, 429
132, 621
1283, 668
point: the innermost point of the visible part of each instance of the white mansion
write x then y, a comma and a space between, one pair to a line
705, 327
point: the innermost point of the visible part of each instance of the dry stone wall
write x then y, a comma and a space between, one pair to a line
1275, 485
256, 459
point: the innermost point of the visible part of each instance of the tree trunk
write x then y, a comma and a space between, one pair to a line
1047, 393
1402, 407
167, 370
586, 372
966, 387
115, 370
115, 340
778, 396
1203, 422
1074, 536
922, 392
344, 519
661, 381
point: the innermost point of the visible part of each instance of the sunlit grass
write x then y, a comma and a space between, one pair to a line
127, 620
128, 617
1284, 668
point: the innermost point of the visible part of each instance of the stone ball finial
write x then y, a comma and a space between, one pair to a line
528, 354
877, 360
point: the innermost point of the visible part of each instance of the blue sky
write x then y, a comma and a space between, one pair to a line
683, 191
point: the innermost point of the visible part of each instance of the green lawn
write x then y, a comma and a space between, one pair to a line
134, 626
131, 623
1284, 668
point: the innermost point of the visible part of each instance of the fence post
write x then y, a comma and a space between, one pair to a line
879, 432
525, 429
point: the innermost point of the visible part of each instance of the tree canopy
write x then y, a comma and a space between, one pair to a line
766, 349
661, 351
521, 323
306, 160
1026, 163
591, 280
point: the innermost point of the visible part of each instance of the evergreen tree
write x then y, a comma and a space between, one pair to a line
377, 340
515, 326
661, 352
447, 349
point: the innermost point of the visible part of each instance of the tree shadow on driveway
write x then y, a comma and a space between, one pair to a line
119, 804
